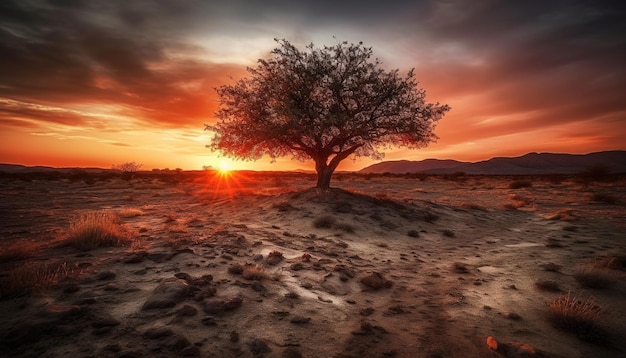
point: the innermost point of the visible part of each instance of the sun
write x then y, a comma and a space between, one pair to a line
224, 166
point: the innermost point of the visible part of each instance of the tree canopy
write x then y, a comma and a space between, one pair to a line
324, 104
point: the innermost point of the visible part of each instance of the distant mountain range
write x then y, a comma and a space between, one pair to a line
17, 168
531, 163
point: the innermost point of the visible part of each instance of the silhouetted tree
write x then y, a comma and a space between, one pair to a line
323, 104
127, 169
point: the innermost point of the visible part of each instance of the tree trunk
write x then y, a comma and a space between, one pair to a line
323, 177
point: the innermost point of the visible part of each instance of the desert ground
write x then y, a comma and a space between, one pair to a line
250, 264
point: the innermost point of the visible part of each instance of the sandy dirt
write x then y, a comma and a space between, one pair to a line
398, 267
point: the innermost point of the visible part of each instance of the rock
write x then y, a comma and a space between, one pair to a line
235, 269
134, 258
300, 319
105, 322
296, 266
512, 316
104, 276
167, 294
258, 286
177, 343
190, 351
259, 346
71, 288
209, 321
291, 352
187, 311
274, 260
183, 276
492, 343
219, 306
158, 332
376, 281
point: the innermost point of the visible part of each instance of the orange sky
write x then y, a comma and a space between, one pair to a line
101, 83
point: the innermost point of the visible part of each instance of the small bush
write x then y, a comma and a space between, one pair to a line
581, 317
519, 184
547, 285
95, 229
254, 272
325, 221
594, 277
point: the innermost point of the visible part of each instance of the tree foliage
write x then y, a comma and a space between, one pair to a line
324, 104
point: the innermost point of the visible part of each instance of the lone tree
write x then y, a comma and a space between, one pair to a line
323, 104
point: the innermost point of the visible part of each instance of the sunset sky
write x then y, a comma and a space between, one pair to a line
96, 83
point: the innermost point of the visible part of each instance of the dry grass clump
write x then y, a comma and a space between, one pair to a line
590, 276
519, 184
93, 229
547, 285
578, 316
325, 221
34, 277
254, 272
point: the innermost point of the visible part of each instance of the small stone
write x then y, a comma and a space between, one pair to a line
300, 319
187, 311
209, 321
492, 343
158, 332
513, 316
103, 276
259, 346
376, 281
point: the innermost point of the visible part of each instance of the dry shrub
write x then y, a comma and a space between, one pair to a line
613, 262
547, 285
254, 272
34, 277
579, 316
93, 229
590, 276
325, 221
519, 184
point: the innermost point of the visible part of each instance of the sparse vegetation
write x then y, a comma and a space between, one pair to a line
590, 276
519, 184
579, 316
93, 229
254, 272
34, 277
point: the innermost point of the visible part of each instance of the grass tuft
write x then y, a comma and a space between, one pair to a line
34, 277
254, 272
93, 229
579, 316
590, 276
